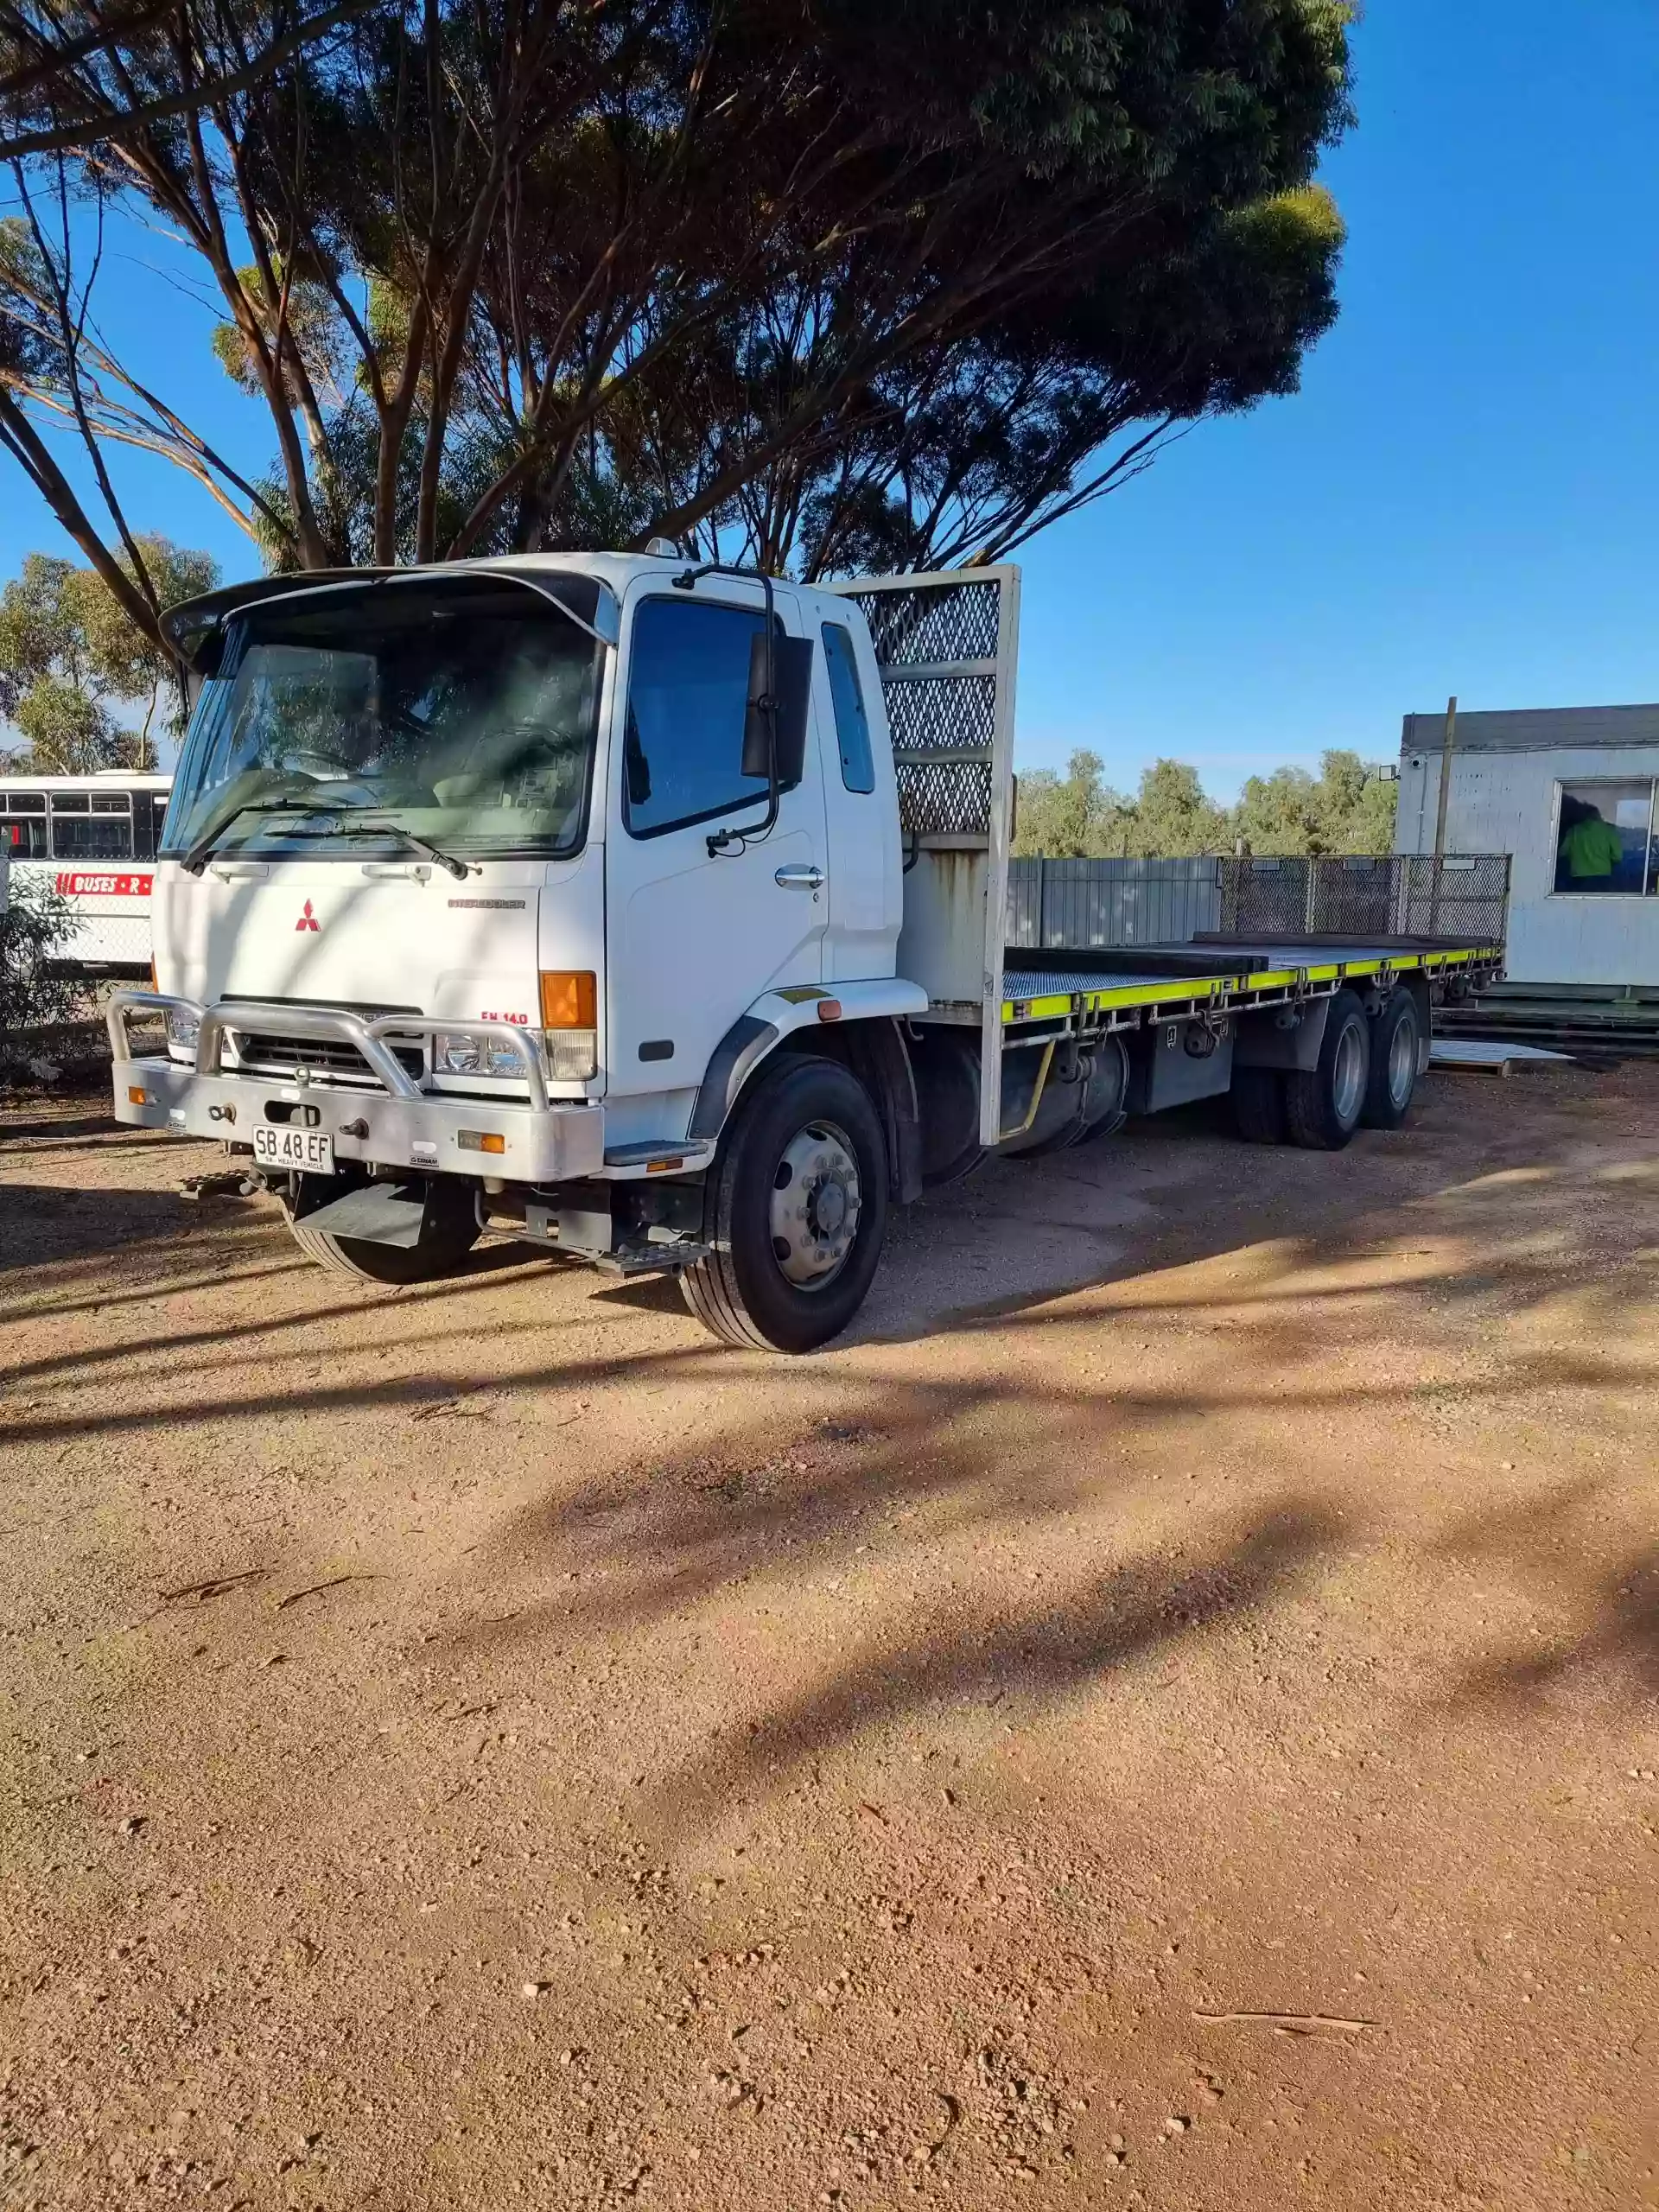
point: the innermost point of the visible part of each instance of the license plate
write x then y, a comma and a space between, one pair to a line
285, 1146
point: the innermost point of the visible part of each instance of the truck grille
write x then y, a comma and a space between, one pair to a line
339, 1063
269, 1053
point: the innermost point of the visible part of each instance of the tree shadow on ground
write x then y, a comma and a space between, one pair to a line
1613, 1637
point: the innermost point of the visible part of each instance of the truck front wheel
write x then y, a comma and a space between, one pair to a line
796, 1211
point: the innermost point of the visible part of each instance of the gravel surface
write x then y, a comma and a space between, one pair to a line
1167, 1715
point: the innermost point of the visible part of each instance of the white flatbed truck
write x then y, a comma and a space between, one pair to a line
654, 911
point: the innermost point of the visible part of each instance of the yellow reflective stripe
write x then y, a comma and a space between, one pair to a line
1174, 991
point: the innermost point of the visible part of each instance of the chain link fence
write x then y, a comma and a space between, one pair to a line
1462, 895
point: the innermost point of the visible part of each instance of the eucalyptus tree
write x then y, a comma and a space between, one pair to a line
826, 282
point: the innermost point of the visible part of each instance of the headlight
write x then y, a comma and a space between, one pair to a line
182, 1029
460, 1055
572, 1054
469, 1056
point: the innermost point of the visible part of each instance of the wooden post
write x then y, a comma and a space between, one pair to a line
1447, 745
1446, 748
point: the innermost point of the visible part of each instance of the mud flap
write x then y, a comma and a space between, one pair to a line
375, 1213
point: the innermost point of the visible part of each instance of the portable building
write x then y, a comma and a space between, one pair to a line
1572, 793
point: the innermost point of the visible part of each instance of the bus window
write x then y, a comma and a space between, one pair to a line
95, 829
149, 809
23, 824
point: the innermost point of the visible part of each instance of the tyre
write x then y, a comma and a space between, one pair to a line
1259, 1105
1323, 1104
1396, 1039
447, 1235
796, 1211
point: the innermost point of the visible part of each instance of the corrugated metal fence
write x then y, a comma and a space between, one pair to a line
1079, 904
1082, 903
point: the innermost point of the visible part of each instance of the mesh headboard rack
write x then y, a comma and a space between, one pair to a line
947, 646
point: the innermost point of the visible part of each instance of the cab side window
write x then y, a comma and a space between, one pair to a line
852, 723
688, 696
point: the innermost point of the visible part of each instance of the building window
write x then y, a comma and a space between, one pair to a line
1604, 839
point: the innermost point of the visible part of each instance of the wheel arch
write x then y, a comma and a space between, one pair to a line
865, 1033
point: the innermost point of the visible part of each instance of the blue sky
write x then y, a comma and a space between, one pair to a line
1464, 497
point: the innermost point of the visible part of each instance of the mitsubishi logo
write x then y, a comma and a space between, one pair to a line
308, 920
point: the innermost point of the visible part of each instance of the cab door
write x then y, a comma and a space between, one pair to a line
694, 937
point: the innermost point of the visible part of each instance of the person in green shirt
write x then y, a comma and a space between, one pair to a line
1591, 848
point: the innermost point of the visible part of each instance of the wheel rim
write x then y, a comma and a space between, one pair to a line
816, 1204
1348, 1076
1403, 1060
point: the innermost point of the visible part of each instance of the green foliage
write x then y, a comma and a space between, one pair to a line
38, 925
1339, 811
1172, 817
69, 733
67, 648
1289, 812
828, 285
1075, 817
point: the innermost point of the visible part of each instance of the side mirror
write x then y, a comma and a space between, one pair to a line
791, 677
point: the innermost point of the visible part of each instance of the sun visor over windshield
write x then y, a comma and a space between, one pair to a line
195, 627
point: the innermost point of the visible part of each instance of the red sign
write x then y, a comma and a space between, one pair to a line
308, 920
81, 883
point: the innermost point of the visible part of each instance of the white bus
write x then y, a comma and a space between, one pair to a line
93, 838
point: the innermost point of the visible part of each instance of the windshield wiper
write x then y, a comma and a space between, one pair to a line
457, 869
202, 851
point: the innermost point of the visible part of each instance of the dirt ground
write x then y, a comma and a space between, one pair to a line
487, 1745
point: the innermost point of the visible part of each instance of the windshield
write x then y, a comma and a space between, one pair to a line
461, 710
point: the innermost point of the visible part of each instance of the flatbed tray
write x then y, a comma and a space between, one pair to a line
1038, 984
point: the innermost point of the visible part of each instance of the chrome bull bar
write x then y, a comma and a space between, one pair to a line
326, 1024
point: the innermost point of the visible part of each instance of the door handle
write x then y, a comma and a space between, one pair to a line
798, 877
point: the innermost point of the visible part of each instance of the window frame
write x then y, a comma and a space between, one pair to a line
625, 700
1563, 785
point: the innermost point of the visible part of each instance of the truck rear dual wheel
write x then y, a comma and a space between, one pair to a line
1259, 1105
1397, 1045
796, 1209
1323, 1103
